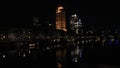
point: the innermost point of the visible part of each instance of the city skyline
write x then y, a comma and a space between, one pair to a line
91, 12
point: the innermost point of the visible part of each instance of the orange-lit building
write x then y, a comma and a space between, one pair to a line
60, 19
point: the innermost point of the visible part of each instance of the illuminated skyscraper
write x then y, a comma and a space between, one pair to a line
60, 18
75, 24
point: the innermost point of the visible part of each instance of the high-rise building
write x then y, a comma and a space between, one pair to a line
75, 24
60, 19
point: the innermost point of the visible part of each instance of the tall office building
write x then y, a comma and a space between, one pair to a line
60, 19
75, 24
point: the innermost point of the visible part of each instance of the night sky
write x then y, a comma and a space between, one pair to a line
92, 12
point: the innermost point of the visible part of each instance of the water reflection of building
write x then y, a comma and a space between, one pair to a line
60, 19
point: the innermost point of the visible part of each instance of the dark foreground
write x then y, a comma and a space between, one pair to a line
36, 58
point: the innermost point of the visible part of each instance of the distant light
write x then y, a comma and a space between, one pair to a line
50, 24
79, 20
4, 56
76, 60
48, 48
4, 36
74, 15
29, 36
89, 40
31, 45
24, 55
82, 41
29, 51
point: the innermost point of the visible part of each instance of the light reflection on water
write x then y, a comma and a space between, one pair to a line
76, 50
